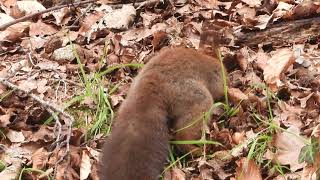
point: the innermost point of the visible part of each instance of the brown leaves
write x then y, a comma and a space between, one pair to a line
39, 159
37, 55
247, 170
85, 166
276, 66
289, 144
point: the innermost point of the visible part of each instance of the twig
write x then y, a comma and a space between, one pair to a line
57, 126
46, 105
82, 15
46, 173
24, 18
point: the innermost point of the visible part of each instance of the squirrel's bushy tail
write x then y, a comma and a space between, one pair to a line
137, 147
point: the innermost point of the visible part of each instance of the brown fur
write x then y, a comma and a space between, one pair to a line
175, 87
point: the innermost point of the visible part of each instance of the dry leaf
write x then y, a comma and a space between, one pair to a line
252, 3
39, 158
174, 174
277, 65
263, 21
14, 32
41, 29
282, 9
236, 95
238, 137
88, 21
15, 136
85, 166
247, 170
289, 145
12, 171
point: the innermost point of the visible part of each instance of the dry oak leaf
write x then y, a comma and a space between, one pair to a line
174, 174
88, 21
247, 170
236, 95
85, 166
310, 172
277, 65
39, 158
14, 32
5, 115
64, 171
8, 3
41, 29
15, 136
282, 9
33, 43
252, 3
289, 145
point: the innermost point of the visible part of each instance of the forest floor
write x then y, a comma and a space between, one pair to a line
64, 73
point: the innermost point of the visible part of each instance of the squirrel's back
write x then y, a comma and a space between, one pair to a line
176, 86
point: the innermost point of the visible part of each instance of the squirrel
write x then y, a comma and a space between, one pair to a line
173, 89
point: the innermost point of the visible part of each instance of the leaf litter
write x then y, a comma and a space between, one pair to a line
270, 127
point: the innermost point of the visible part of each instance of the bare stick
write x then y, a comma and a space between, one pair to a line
46, 105
24, 18
57, 126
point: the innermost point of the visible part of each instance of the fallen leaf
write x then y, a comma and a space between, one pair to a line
41, 29
289, 145
39, 158
217, 165
87, 23
247, 170
14, 32
33, 43
85, 166
238, 137
15, 136
174, 174
252, 3
303, 101
236, 95
95, 154
282, 9
45, 133
276, 66
263, 21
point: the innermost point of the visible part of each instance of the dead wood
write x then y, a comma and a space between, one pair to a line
281, 34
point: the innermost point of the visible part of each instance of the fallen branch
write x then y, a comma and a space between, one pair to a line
47, 105
30, 16
24, 18
281, 34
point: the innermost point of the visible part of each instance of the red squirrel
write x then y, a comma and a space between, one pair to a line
172, 90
